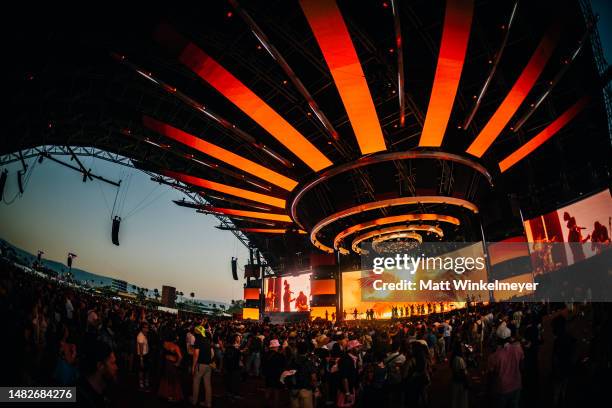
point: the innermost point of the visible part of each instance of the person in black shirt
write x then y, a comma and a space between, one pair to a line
99, 369
201, 369
273, 366
305, 378
231, 365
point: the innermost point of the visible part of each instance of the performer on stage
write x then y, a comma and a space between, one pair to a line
270, 296
301, 302
575, 235
287, 297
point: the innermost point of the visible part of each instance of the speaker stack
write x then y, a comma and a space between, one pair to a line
323, 286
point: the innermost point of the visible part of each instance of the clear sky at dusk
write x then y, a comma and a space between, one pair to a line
161, 243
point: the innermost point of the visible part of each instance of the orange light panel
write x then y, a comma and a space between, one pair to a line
268, 230
224, 188
220, 153
250, 313
250, 214
544, 135
323, 287
517, 94
335, 42
251, 293
229, 86
457, 23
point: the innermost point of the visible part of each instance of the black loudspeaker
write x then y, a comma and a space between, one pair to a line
115, 231
234, 268
3, 177
20, 181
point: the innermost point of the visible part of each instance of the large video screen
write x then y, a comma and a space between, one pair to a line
584, 226
359, 293
288, 293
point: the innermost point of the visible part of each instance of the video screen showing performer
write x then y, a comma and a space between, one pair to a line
584, 225
288, 294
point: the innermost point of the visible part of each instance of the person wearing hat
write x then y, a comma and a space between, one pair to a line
273, 366
200, 368
348, 370
504, 369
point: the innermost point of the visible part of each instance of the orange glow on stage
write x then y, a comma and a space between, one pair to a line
548, 132
334, 39
240, 95
517, 94
224, 188
392, 220
319, 311
457, 24
220, 153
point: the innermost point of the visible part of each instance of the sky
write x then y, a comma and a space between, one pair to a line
160, 242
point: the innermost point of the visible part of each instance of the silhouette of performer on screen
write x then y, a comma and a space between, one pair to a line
287, 297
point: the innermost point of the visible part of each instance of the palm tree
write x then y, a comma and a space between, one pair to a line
192, 295
156, 293
134, 288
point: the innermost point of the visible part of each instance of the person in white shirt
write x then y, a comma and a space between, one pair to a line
69, 308
142, 352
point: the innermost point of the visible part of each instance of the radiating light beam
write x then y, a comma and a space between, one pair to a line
548, 132
517, 94
335, 43
220, 153
224, 188
245, 99
249, 214
455, 36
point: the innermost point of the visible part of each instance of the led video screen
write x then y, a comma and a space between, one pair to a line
361, 289
288, 293
584, 226
354, 305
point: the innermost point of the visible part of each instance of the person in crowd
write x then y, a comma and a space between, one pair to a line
304, 379
348, 369
459, 384
564, 360
142, 353
273, 365
504, 370
255, 346
201, 367
169, 386
232, 363
99, 370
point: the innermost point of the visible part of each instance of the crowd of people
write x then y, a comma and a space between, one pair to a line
61, 335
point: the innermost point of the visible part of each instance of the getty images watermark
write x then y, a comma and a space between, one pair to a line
508, 271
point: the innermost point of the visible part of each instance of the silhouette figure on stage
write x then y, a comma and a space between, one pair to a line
575, 235
287, 297
600, 238
270, 296
301, 302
